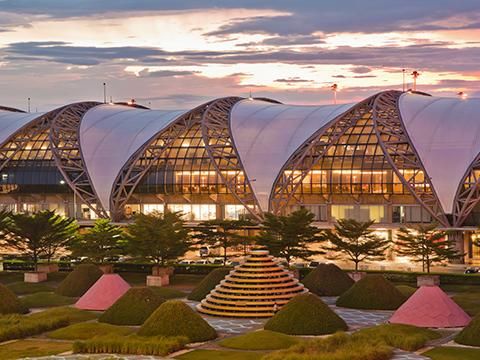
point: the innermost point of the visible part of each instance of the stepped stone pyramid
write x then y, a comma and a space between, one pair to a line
255, 288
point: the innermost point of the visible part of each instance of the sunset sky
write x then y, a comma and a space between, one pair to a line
177, 54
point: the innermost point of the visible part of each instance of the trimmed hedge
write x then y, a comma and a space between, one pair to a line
260, 340
470, 335
9, 303
46, 299
79, 280
208, 284
406, 290
133, 308
18, 326
328, 280
373, 292
175, 318
132, 345
23, 288
167, 293
89, 330
306, 314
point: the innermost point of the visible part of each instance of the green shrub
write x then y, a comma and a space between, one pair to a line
88, 330
133, 345
405, 337
372, 292
336, 347
406, 290
8, 277
18, 326
470, 335
23, 288
328, 280
260, 340
175, 318
46, 299
79, 280
468, 301
306, 314
167, 293
9, 303
133, 308
208, 284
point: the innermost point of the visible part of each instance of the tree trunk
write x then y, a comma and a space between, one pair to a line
356, 265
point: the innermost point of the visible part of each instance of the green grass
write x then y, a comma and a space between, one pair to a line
46, 299
452, 353
406, 337
328, 280
88, 330
32, 348
406, 290
189, 280
135, 279
21, 326
133, 308
8, 277
134, 345
208, 283
260, 340
167, 293
306, 314
9, 302
470, 335
220, 355
372, 292
23, 288
336, 347
175, 318
468, 301
79, 280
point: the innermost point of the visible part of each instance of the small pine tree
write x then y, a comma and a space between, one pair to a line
426, 244
222, 234
101, 241
355, 241
158, 237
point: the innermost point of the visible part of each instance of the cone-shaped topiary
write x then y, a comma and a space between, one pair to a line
79, 280
175, 318
306, 314
470, 335
9, 303
133, 308
208, 283
328, 280
372, 292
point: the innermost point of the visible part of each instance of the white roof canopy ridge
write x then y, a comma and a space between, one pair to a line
12, 122
266, 135
110, 135
446, 134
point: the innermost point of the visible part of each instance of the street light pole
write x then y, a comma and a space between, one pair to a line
403, 84
334, 88
104, 93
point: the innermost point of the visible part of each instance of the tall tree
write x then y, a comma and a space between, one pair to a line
101, 241
222, 234
426, 244
41, 233
355, 241
158, 237
289, 236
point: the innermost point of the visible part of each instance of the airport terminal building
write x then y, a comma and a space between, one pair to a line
394, 157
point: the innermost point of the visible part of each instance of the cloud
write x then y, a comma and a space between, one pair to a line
166, 73
293, 80
361, 70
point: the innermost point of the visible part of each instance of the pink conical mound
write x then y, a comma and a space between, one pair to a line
108, 289
429, 306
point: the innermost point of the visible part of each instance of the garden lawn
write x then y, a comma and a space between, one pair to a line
260, 340
220, 355
8, 277
23, 288
46, 299
468, 301
30, 348
85, 331
453, 353
167, 293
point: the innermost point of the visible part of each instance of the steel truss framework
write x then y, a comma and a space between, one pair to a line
468, 194
220, 148
401, 154
296, 168
19, 140
66, 150
134, 169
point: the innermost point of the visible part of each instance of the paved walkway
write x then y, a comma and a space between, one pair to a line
403, 355
97, 357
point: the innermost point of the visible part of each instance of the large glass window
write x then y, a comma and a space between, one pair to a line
149, 208
195, 212
404, 214
359, 212
235, 212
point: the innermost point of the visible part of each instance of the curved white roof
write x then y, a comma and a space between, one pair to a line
446, 135
266, 135
110, 135
11, 122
